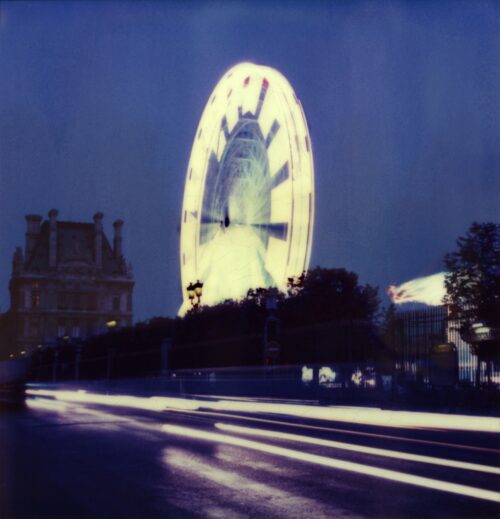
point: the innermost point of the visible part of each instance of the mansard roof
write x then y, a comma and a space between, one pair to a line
75, 249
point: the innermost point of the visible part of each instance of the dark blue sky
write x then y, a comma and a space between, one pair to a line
99, 102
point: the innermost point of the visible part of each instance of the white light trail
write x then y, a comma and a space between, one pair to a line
392, 475
46, 404
359, 415
366, 416
358, 448
429, 290
342, 430
154, 403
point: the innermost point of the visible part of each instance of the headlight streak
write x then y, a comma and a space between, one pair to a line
59, 406
46, 404
342, 431
154, 403
366, 416
392, 475
290, 453
357, 448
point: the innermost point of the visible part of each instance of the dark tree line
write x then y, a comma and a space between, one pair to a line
328, 316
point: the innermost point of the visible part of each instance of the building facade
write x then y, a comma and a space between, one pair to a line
69, 283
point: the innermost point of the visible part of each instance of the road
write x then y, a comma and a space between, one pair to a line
80, 455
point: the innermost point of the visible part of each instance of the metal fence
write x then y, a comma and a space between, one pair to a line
417, 331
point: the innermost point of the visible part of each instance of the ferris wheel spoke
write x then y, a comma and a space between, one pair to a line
276, 230
209, 220
262, 97
281, 175
272, 132
224, 127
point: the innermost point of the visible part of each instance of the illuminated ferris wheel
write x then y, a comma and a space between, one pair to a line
248, 211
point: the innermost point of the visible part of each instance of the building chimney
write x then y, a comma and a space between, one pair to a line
118, 240
98, 240
53, 237
32, 233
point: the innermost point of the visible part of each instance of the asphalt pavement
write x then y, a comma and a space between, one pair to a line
79, 455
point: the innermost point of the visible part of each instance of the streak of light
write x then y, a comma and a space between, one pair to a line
392, 475
46, 405
343, 431
357, 448
255, 399
154, 403
56, 405
367, 416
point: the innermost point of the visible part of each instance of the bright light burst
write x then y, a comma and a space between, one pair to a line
429, 290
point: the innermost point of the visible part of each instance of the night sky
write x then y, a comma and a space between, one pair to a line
99, 103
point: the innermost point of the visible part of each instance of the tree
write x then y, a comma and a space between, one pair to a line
323, 306
332, 295
473, 287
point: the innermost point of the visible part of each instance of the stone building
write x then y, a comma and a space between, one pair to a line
70, 282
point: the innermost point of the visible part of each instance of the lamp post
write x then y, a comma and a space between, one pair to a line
195, 290
271, 333
485, 340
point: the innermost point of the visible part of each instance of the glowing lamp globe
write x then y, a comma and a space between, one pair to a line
248, 210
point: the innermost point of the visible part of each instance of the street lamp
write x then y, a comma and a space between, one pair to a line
111, 324
485, 341
295, 284
271, 332
195, 290
198, 289
190, 291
